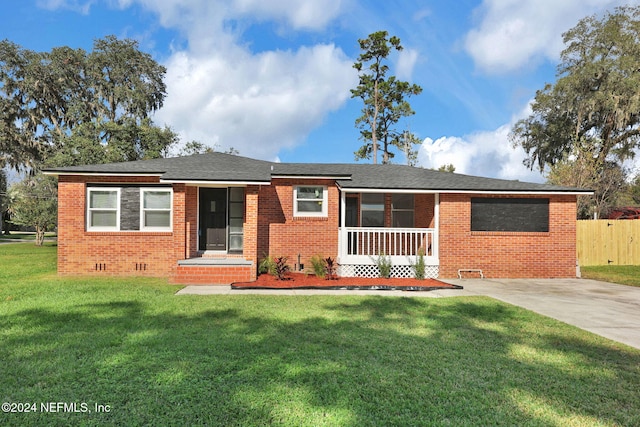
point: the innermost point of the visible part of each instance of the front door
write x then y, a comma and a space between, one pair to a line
213, 219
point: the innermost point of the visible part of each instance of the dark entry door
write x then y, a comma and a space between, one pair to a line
213, 219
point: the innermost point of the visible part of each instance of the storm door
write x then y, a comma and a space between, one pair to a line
213, 219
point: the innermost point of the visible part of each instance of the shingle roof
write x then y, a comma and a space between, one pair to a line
220, 167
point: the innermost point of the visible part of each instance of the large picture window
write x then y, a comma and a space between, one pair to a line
510, 214
372, 210
103, 209
310, 201
156, 209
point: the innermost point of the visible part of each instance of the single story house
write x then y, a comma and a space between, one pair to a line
210, 218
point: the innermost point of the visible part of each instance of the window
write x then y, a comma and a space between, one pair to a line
402, 208
510, 214
156, 209
236, 219
310, 201
372, 210
103, 209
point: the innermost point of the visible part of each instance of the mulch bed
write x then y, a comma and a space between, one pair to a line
309, 281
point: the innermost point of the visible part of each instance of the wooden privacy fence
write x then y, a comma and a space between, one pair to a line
614, 242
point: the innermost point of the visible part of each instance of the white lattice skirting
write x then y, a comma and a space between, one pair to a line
404, 271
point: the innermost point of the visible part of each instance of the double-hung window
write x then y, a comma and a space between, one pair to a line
402, 210
103, 210
156, 209
372, 210
310, 200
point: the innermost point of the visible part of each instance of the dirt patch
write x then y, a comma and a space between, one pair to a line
309, 281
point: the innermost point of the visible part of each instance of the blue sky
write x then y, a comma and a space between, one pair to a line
271, 78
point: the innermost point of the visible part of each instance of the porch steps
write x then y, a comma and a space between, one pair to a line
213, 271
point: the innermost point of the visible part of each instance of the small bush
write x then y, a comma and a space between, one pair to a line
330, 268
318, 266
384, 265
275, 266
281, 268
267, 265
419, 268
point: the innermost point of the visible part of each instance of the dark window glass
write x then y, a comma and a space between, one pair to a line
509, 214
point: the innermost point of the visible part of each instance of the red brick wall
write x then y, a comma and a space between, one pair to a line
282, 234
507, 254
210, 274
115, 253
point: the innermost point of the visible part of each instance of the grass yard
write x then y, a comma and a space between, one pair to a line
153, 358
624, 274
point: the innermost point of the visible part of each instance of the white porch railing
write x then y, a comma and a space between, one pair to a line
362, 245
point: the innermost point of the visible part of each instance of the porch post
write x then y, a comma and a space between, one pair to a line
436, 220
341, 225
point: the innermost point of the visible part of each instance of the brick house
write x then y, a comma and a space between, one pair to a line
210, 218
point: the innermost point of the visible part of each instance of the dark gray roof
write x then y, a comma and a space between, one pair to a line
220, 167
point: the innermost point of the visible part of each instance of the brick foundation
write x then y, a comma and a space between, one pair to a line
212, 274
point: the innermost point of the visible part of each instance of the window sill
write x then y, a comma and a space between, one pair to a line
310, 218
128, 233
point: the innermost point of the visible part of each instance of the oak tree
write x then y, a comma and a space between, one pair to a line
69, 106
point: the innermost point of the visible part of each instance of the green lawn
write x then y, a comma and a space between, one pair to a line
159, 359
623, 274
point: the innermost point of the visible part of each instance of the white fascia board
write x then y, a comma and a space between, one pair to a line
312, 177
58, 173
492, 192
214, 183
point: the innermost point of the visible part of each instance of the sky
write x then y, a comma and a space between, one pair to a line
272, 78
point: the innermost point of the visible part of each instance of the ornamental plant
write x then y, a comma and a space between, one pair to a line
330, 269
280, 268
419, 267
318, 266
384, 265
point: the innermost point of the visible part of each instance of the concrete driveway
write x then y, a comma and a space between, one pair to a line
606, 309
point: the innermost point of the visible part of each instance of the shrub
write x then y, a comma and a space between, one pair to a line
330, 268
318, 265
419, 268
384, 265
267, 265
281, 268
275, 266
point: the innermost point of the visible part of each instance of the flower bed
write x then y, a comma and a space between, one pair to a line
309, 281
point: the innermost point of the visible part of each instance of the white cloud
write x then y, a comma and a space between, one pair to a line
82, 7
512, 34
406, 62
220, 92
488, 153
307, 14
257, 104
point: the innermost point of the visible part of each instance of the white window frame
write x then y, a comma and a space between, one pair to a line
90, 209
143, 190
324, 211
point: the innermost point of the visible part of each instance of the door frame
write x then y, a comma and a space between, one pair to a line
200, 232
200, 236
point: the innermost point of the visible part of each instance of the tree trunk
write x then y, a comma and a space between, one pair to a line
39, 235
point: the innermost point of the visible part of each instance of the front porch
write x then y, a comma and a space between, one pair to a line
416, 219
360, 248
